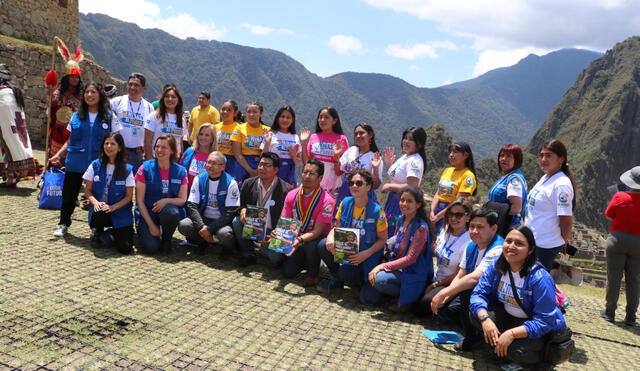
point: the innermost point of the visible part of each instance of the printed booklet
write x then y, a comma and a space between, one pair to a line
345, 239
285, 234
256, 227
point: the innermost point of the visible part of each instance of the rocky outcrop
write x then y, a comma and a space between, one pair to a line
598, 120
39, 20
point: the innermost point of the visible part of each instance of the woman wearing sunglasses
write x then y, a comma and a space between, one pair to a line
450, 245
357, 211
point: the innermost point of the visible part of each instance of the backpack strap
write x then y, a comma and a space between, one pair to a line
514, 290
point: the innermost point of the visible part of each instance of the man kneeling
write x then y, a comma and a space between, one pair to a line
213, 202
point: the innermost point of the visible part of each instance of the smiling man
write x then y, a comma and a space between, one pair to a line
203, 113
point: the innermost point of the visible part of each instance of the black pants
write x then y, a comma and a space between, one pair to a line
522, 351
422, 307
70, 190
123, 235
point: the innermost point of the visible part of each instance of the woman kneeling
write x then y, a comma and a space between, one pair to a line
409, 267
516, 322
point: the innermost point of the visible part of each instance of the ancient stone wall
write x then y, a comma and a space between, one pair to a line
28, 64
39, 21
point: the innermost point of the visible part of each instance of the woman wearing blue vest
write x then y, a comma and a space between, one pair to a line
515, 322
109, 187
161, 192
88, 127
511, 188
360, 212
409, 266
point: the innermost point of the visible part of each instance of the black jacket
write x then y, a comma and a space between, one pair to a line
250, 194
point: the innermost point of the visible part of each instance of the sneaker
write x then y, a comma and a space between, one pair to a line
607, 316
95, 239
332, 284
630, 321
60, 231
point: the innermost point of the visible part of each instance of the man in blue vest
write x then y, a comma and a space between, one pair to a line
213, 202
483, 250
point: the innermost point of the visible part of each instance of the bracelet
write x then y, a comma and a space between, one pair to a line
301, 240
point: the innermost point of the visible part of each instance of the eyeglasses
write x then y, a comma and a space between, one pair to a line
309, 173
456, 215
265, 165
356, 183
217, 163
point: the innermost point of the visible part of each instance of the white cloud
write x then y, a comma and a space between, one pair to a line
446, 82
513, 24
345, 45
415, 51
146, 14
492, 59
413, 67
262, 30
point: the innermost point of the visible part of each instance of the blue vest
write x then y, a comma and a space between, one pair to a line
117, 190
153, 181
188, 156
85, 141
473, 250
372, 212
221, 195
418, 275
498, 192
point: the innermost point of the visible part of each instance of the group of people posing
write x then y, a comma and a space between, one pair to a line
200, 175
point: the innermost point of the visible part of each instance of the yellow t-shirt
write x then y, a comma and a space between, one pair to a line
455, 181
223, 133
251, 138
357, 219
202, 116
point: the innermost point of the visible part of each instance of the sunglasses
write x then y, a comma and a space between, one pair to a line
356, 183
456, 215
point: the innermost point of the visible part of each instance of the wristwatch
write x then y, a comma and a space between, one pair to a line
483, 317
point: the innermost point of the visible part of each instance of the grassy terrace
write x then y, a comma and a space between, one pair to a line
66, 306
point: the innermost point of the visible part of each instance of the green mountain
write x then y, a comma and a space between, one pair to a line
503, 105
598, 120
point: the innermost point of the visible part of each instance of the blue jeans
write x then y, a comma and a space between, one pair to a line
135, 159
388, 283
305, 256
167, 220
547, 256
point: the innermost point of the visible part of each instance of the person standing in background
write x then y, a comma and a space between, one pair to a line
203, 113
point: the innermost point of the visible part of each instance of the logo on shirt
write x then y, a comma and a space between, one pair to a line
563, 197
414, 164
515, 182
234, 194
469, 180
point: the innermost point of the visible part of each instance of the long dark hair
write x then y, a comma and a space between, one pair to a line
418, 196
275, 127
104, 110
464, 203
122, 157
256, 103
419, 136
502, 265
162, 109
464, 147
337, 127
238, 116
560, 150
373, 147
64, 85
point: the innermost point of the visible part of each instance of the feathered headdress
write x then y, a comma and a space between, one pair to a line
72, 64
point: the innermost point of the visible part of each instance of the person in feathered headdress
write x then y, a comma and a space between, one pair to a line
16, 156
65, 99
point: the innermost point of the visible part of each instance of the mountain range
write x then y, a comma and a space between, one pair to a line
502, 105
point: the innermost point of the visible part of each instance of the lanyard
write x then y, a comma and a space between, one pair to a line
359, 217
448, 247
137, 111
305, 216
267, 192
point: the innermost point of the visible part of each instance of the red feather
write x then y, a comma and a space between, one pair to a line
51, 79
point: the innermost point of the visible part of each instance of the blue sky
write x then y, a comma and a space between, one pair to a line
428, 43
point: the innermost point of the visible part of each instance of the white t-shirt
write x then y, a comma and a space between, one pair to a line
482, 263
268, 202
505, 294
280, 143
212, 211
549, 199
405, 167
115, 124
514, 188
90, 176
152, 123
449, 251
352, 159
132, 116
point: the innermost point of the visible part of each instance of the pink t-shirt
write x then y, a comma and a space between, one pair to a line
198, 166
322, 214
164, 175
320, 147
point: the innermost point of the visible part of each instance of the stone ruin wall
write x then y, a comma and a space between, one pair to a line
38, 21
27, 28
